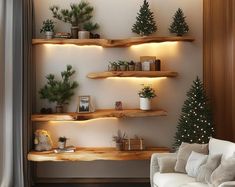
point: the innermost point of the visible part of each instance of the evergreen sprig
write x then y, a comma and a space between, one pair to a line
147, 92
145, 23
59, 91
89, 26
76, 15
195, 122
179, 25
47, 26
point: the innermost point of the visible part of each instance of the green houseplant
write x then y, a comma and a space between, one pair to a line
48, 28
146, 94
62, 142
88, 27
122, 65
119, 139
112, 66
59, 91
77, 15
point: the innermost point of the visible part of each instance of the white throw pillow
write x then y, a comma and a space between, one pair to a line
195, 160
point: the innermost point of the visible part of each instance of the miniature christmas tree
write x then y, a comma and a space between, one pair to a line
145, 24
179, 25
195, 122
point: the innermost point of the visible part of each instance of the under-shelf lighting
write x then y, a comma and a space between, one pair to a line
73, 45
138, 78
83, 121
154, 44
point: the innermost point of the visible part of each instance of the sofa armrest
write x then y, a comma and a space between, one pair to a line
228, 184
154, 167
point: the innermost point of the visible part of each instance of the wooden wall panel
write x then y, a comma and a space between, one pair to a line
219, 64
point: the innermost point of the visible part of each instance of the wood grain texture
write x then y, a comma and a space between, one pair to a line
219, 63
111, 42
127, 113
151, 74
92, 154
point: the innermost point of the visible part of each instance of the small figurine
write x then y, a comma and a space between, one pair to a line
42, 141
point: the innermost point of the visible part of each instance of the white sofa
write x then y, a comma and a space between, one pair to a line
183, 180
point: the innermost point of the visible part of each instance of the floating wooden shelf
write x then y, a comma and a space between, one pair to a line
92, 154
127, 113
113, 42
149, 74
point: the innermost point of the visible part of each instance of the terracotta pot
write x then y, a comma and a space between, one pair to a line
145, 103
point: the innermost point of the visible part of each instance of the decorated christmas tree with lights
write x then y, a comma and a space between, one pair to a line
195, 123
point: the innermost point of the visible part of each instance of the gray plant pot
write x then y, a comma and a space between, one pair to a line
49, 35
83, 35
131, 67
122, 67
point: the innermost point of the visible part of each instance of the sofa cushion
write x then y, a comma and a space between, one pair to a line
166, 164
195, 160
226, 148
184, 152
207, 169
225, 172
167, 179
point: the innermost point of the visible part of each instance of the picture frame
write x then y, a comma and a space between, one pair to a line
84, 104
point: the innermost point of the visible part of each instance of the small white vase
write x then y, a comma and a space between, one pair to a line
61, 145
49, 35
145, 103
83, 35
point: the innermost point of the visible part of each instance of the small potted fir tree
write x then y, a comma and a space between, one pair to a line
59, 91
147, 93
88, 27
48, 28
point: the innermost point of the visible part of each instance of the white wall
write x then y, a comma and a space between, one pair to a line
115, 19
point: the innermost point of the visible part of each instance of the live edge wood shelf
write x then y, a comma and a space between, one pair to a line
92, 154
148, 74
128, 113
113, 42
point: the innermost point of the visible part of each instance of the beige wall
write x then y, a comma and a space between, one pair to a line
115, 19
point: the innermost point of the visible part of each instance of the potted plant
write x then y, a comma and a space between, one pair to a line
131, 66
112, 66
87, 28
146, 94
59, 91
118, 139
62, 142
77, 15
48, 28
122, 65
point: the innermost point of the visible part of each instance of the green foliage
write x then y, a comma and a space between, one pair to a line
76, 15
47, 26
59, 91
62, 139
147, 92
195, 122
179, 25
145, 23
119, 137
89, 26
122, 63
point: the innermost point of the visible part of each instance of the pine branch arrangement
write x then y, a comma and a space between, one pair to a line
145, 23
179, 25
76, 15
195, 123
59, 91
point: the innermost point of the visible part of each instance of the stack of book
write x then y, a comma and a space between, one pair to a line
69, 149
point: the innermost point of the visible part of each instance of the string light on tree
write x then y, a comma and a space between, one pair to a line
195, 122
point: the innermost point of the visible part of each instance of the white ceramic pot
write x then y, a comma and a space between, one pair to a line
61, 145
145, 103
83, 35
49, 35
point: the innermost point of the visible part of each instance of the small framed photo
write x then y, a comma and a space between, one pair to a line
84, 104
